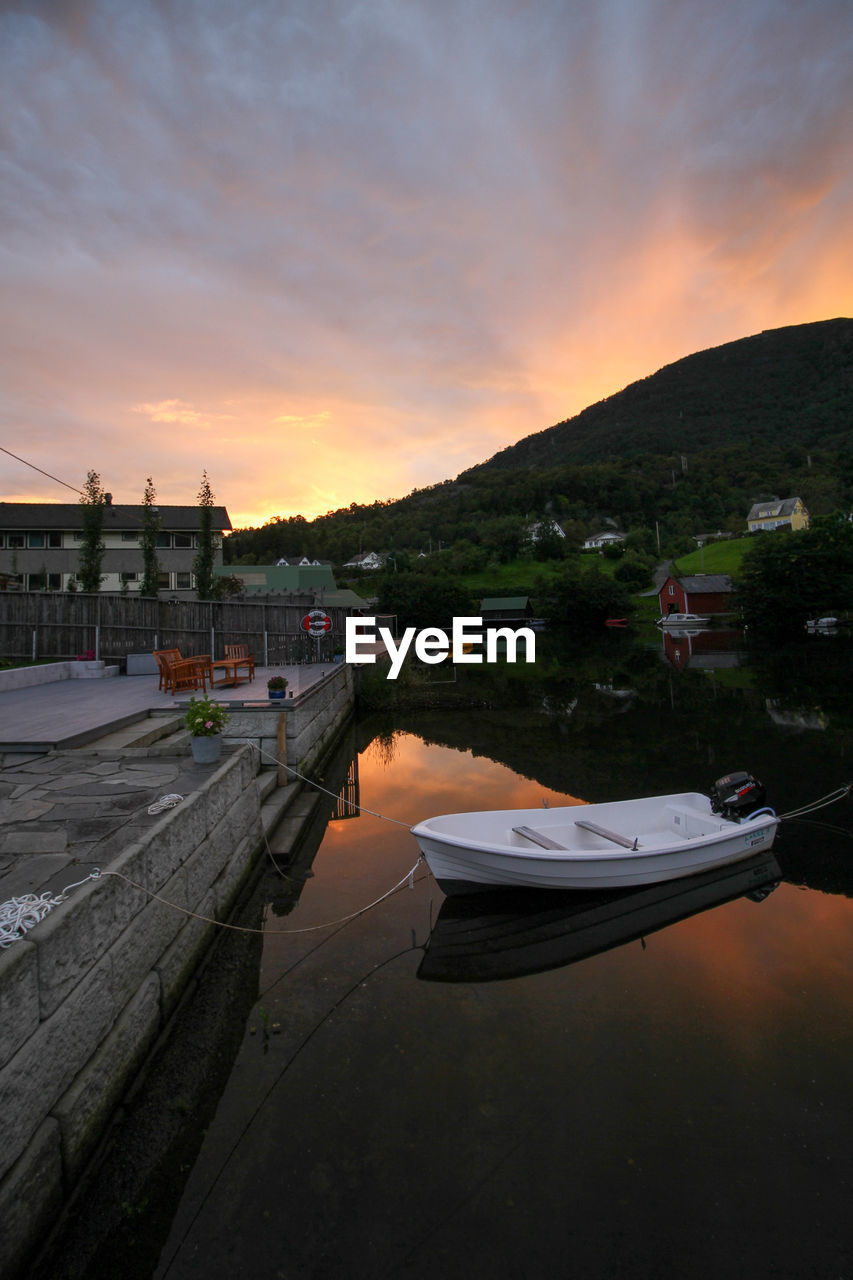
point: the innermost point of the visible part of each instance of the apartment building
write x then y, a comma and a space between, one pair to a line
40, 546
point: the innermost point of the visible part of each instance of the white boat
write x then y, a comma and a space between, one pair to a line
683, 619
595, 846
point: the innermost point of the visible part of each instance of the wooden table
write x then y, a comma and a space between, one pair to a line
231, 667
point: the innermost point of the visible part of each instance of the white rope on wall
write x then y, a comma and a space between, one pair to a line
18, 915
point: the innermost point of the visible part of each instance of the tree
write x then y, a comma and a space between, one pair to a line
151, 525
585, 598
92, 547
787, 578
203, 563
422, 600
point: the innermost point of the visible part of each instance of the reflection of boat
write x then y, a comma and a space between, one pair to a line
683, 619
701, 647
511, 932
608, 846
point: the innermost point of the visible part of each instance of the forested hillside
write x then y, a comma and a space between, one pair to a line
785, 387
686, 451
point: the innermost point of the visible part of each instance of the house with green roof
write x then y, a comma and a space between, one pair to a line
316, 581
505, 609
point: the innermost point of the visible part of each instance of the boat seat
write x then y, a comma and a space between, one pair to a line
538, 837
625, 842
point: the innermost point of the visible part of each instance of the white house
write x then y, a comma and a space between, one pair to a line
544, 529
367, 560
596, 541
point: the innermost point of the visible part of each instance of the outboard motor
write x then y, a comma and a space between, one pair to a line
737, 795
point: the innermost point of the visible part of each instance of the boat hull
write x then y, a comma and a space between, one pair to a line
684, 620
675, 835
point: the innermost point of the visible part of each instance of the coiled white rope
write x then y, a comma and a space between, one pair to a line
19, 915
165, 802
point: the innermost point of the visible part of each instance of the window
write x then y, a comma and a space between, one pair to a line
2, 539
17, 540
672, 591
164, 540
183, 581
129, 576
35, 539
44, 582
78, 535
182, 540
54, 539
129, 535
163, 581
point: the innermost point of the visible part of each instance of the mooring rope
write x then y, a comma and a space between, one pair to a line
19, 915
311, 783
830, 798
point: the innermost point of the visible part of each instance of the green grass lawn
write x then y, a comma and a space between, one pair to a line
525, 577
717, 557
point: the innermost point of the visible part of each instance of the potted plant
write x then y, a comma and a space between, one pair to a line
205, 721
276, 686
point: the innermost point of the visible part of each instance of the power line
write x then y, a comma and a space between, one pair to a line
3, 449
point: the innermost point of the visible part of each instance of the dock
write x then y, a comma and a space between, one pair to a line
100, 795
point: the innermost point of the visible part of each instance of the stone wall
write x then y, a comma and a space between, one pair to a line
303, 732
48, 672
85, 995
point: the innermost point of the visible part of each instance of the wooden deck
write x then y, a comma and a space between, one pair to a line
68, 713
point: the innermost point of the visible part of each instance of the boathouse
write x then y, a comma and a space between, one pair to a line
495, 609
697, 593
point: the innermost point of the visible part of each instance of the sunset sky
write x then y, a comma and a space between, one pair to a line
333, 250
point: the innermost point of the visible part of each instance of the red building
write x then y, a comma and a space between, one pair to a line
698, 593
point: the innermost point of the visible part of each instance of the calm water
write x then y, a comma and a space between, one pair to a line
677, 1105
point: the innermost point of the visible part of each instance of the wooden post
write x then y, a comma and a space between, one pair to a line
281, 748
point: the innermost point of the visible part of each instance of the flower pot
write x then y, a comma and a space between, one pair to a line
206, 750
274, 694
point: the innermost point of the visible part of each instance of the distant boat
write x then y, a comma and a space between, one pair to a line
683, 619
616, 622
599, 846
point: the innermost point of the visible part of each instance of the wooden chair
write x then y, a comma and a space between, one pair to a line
163, 658
240, 653
177, 672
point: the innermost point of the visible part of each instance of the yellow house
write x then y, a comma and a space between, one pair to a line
775, 514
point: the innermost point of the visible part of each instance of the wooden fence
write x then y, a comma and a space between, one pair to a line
45, 625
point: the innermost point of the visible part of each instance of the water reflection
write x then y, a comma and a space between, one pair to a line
703, 649
510, 933
390, 1126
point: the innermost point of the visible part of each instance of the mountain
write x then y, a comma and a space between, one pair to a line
770, 414
791, 386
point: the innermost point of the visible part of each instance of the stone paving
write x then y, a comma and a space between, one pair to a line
69, 811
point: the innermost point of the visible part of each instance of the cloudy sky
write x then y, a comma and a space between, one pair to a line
333, 250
